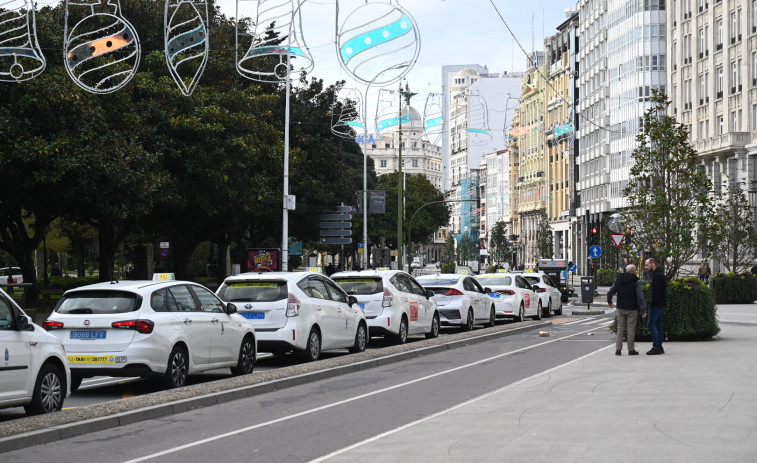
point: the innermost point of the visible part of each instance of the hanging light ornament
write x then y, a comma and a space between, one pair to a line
277, 22
478, 121
433, 117
186, 41
347, 113
101, 52
20, 55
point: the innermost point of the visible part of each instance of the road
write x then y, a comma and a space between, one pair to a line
312, 420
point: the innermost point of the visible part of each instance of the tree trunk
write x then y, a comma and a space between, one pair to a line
108, 244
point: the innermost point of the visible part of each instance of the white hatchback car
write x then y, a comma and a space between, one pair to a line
549, 293
168, 329
395, 304
461, 300
33, 367
301, 311
514, 297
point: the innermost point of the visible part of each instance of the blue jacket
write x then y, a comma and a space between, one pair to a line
659, 289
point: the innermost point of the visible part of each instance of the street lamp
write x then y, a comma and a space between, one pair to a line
407, 94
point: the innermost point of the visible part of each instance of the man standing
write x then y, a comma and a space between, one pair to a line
657, 305
630, 301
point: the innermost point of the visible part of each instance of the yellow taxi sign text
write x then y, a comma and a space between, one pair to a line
314, 269
163, 277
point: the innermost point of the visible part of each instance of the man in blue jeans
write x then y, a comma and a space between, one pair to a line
657, 305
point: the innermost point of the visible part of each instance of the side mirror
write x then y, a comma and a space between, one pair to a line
231, 308
429, 294
351, 300
488, 290
23, 323
535, 287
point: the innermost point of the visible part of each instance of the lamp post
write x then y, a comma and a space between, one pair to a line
406, 94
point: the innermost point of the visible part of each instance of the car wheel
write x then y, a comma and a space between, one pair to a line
178, 368
521, 314
538, 311
246, 362
469, 321
401, 337
548, 312
361, 339
75, 382
492, 320
48, 393
434, 327
313, 347
559, 309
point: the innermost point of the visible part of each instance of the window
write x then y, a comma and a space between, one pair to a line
184, 300
208, 301
754, 117
720, 81
335, 293
314, 287
754, 66
7, 319
734, 76
720, 125
719, 34
415, 163
701, 42
383, 163
733, 26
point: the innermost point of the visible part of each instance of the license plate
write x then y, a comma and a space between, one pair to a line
89, 334
96, 359
253, 315
362, 305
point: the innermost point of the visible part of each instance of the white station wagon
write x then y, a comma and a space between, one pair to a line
168, 329
304, 312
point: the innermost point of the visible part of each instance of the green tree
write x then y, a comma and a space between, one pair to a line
544, 240
500, 248
735, 239
668, 191
466, 249
449, 255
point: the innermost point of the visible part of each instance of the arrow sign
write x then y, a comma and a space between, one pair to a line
617, 238
595, 251
336, 224
336, 240
342, 209
336, 216
338, 232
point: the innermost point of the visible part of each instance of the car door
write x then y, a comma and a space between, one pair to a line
529, 297
483, 301
197, 324
226, 335
424, 306
326, 312
348, 315
408, 301
15, 355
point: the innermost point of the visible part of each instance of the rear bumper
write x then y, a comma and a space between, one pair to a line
386, 323
293, 336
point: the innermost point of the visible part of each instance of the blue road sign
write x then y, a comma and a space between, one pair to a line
573, 268
595, 251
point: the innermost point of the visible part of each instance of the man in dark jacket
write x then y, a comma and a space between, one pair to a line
630, 302
656, 305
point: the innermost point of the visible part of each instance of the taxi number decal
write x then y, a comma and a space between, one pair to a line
528, 300
254, 285
414, 311
96, 359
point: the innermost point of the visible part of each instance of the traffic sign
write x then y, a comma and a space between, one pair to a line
336, 224
338, 232
339, 216
595, 251
343, 209
573, 268
164, 252
336, 240
617, 238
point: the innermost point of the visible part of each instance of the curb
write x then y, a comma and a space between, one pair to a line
78, 428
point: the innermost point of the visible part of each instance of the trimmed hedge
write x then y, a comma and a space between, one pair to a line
67, 283
448, 268
606, 277
691, 314
734, 288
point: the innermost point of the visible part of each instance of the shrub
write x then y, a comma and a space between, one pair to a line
448, 268
493, 268
689, 316
605, 277
67, 283
734, 288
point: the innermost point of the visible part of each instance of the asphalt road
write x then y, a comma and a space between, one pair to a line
309, 421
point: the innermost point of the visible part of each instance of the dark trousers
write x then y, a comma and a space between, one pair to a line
654, 323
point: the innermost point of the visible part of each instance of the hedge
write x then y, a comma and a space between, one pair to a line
606, 277
734, 288
691, 314
448, 268
67, 283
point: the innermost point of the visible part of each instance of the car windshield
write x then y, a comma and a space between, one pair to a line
98, 302
361, 285
495, 281
437, 281
261, 291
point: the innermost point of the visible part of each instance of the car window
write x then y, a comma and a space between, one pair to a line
522, 282
437, 281
478, 286
6, 315
533, 280
353, 285
184, 300
417, 288
98, 302
468, 284
401, 284
208, 301
335, 293
260, 291
162, 301
314, 287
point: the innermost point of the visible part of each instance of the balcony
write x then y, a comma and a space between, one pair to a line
723, 143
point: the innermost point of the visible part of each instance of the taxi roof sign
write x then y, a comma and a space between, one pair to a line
501, 270
315, 269
163, 277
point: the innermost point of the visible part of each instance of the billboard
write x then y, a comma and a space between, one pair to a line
263, 260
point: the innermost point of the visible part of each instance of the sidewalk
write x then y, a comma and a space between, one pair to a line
696, 403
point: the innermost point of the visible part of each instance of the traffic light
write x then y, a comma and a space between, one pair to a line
593, 236
628, 235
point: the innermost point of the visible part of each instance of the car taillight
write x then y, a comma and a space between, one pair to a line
293, 306
49, 326
141, 326
388, 298
541, 290
452, 292
508, 292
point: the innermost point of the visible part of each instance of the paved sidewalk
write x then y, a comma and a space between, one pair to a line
696, 403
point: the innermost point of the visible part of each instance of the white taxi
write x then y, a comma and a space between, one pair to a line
304, 312
33, 367
395, 304
549, 293
461, 300
168, 329
514, 297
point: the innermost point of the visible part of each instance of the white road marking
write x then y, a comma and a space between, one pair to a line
352, 399
454, 407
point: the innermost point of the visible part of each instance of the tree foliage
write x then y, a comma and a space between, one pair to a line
668, 191
466, 249
500, 248
449, 255
735, 239
545, 247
